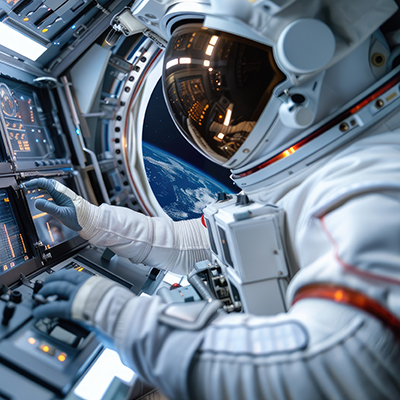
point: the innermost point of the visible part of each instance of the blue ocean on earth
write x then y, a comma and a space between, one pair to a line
182, 190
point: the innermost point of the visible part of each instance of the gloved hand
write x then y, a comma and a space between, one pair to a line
65, 284
70, 209
93, 300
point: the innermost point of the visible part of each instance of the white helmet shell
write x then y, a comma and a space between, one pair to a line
305, 46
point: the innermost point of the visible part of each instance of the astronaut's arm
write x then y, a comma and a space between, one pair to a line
165, 344
314, 349
154, 241
204, 363
319, 349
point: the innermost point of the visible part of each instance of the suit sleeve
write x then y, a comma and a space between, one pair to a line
154, 241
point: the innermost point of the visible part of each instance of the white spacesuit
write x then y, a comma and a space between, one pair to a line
326, 149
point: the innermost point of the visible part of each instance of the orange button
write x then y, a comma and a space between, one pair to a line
46, 348
31, 340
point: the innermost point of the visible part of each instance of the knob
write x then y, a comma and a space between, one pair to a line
222, 196
37, 286
112, 37
3, 15
242, 199
8, 312
3, 289
298, 98
16, 296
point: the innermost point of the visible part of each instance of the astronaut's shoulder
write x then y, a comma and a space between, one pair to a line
371, 154
379, 144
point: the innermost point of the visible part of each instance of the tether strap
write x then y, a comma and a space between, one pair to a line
343, 295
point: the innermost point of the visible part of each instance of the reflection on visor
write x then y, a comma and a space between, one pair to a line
216, 86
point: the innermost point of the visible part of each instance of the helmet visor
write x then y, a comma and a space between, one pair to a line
216, 86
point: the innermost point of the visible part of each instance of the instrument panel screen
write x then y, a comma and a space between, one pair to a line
12, 242
50, 231
22, 116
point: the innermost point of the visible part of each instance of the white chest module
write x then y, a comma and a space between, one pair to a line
247, 242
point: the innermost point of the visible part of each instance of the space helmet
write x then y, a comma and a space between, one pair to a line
260, 83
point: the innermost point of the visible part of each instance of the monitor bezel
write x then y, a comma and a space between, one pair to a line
40, 258
18, 207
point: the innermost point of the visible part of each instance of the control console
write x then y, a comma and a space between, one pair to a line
52, 352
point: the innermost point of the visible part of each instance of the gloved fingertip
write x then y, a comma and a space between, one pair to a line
61, 288
39, 313
28, 184
47, 206
41, 204
56, 309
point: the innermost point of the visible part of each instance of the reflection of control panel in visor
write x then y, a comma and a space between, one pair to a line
216, 87
50, 231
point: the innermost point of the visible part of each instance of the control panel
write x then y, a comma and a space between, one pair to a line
27, 135
67, 120
46, 358
51, 352
31, 130
14, 250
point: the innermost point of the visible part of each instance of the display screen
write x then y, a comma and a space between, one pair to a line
50, 230
24, 123
12, 242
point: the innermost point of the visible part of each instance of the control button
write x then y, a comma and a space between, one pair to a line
62, 357
222, 196
242, 199
8, 313
175, 286
37, 285
32, 340
16, 296
3, 289
48, 349
153, 274
298, 98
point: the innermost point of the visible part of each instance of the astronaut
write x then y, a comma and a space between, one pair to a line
312, 89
